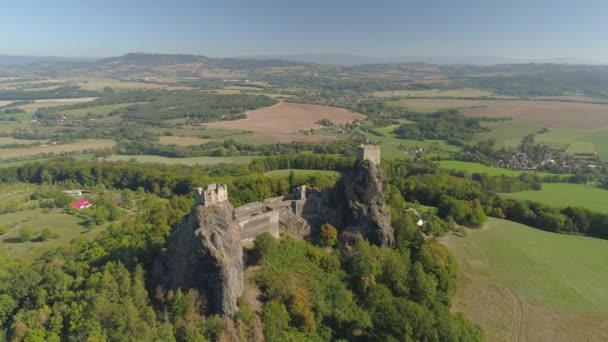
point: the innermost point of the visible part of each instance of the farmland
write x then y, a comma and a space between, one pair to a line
32, 107
546, 286
181, 141
79, 146
287, 117
566, 194
97, 110
184, 161
480, 168
546, 113
451, 93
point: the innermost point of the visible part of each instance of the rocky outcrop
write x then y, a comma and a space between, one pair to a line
205, 253
360, 204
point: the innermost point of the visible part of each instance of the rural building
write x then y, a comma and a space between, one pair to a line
80, 203
369, 152
77, 192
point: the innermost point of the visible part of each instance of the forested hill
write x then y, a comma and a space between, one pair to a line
155, 60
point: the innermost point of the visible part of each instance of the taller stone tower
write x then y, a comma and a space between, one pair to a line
369, 152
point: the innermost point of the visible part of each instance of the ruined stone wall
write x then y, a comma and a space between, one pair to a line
255, 225
244, 212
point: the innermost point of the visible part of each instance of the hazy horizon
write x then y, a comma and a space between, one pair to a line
527, 30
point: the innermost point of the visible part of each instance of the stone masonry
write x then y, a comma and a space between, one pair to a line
214, 193
369, 152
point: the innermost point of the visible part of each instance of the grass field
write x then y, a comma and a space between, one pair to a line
480, 168
391, 145
66, 225
287, 117
185, 161
98, 83
181, 141
79, 146
300, 172
32, 107
541, 286
10, 141
461, 92
573, 140
84, 156
9, 126
556, 114
566, 194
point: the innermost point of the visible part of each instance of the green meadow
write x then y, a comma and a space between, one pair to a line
66, 225
184, 161
566, 194
515, 279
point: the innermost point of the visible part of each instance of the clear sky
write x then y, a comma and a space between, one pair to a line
506, 28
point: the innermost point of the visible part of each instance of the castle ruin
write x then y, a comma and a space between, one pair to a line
369, 152
297, 208
206, 251
214, 193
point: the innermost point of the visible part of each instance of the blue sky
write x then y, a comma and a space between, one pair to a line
506, 28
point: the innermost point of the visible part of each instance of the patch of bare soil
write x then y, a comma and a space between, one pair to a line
287, 117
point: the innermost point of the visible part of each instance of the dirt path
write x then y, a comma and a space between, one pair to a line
519, 312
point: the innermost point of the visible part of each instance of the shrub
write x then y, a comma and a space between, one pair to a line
46, 234
25, 234
328, 236
263, 245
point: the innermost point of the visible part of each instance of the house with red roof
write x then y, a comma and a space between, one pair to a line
80, 203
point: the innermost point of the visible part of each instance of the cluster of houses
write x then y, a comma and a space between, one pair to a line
522, 160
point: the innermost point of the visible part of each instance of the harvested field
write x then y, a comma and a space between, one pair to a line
547, 113
181, 141
287, 117
286, 137
79, 146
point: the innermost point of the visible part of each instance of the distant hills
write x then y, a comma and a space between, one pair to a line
350, 60
244, 62
6, 60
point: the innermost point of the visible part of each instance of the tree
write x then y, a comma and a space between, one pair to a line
276, 320
292, 179
328, 236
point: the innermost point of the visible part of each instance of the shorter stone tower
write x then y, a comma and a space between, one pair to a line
214, 193
369, 152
